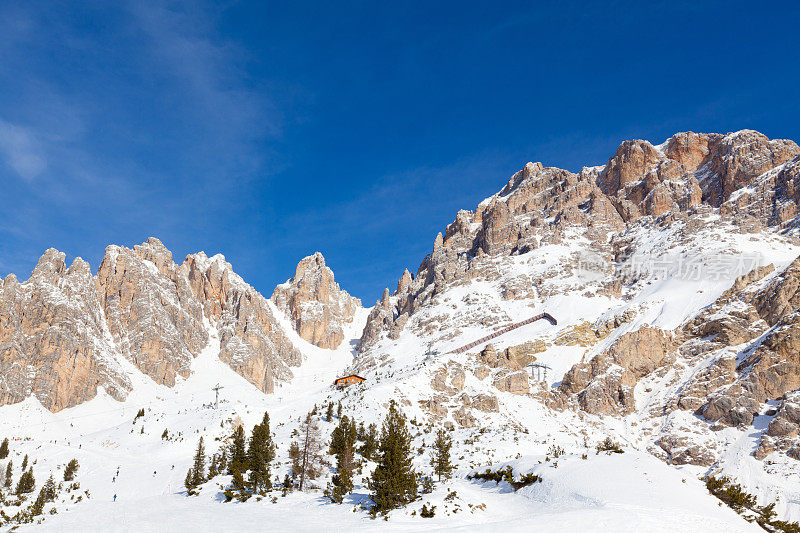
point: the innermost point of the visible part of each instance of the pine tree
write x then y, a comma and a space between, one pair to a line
259, 455
49, 489
339, 410
9, 474
370, 446
343, 434
238, 454
329, 412
222, 464
25, 462
38, 505
342, 482
295, 456
240, 488
70, 470
4, 449
308, 450
441, 458
394, 482
238, 465
26, 483
187, 481
199, 465
213, 468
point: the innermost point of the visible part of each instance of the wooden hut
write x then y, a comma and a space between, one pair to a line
346, 381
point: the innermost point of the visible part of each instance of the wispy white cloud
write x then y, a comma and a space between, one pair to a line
21, 151
209, 74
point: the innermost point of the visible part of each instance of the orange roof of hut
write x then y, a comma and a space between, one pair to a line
352, 379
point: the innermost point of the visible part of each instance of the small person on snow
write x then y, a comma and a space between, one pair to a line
115, 497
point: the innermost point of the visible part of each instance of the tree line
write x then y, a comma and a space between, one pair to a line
393, 483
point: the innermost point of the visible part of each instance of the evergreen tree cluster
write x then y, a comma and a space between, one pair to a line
393, 483
26, 485
247, 461
46, 494
735, 497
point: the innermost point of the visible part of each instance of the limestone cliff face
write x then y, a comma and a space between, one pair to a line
65, 333
53, 339
316, 304
151, 312
251, 340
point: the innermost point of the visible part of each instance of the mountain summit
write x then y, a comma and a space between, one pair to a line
316, 304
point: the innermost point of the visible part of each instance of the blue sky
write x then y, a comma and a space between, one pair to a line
269, 130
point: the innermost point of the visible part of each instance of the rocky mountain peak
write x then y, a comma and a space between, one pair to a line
65, 332
51, 264
404, 281
752, 181
150, 312
315, 303
153, 250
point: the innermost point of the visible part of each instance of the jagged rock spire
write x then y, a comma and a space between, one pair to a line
316, 304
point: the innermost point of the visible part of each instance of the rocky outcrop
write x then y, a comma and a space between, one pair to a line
64, 333
605, 384
316, 304
771, 367
784, 429
682, 450
449, 379
490, 357
740, 158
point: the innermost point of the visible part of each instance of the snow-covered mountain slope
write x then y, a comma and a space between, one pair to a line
672, 272
130, 459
